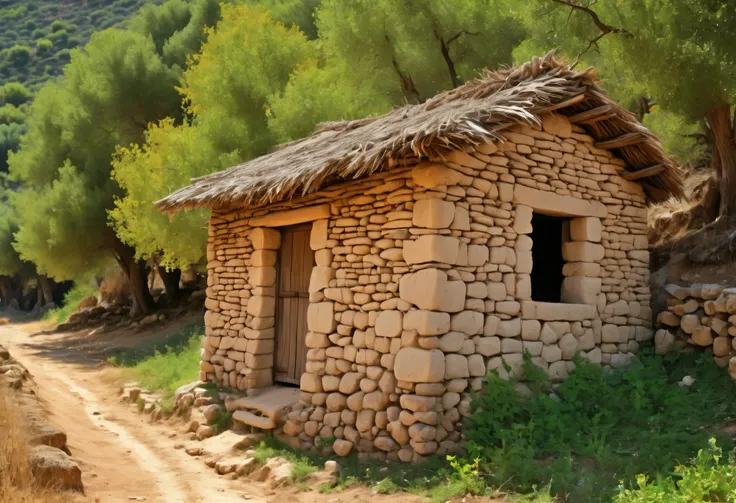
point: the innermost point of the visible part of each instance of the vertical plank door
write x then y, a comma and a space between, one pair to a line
296, 260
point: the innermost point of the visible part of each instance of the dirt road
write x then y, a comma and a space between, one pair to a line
123, 456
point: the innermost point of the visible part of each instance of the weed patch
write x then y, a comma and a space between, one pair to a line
599, 429
166, 367
71, 302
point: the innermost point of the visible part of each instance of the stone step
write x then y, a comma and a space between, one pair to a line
270, 402
261, 422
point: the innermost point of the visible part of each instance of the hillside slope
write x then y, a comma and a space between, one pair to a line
36, 36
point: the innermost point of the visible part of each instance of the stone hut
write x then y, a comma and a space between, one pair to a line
386, 265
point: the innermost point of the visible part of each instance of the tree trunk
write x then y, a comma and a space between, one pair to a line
171, 281
6, 291
44, 290
135, 271
724, 156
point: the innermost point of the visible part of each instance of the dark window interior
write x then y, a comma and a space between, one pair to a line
547, 238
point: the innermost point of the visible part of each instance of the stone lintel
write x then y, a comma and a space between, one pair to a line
550, 203
291, 217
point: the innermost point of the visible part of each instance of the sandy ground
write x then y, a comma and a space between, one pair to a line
123, 456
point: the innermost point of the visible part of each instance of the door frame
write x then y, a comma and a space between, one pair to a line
307, 226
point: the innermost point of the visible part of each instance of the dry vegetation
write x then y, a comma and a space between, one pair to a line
17, 483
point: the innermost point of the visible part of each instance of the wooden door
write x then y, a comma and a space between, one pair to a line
296, 260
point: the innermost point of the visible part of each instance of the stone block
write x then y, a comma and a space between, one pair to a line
430, 175
556, 125
551, 203
581, 290
265, 239
582, 251
419, 365
452, 342
318, 235
261, 306
523, 219
467, 322
586, 229
263, 258
427, 323
592, 270
262, 276
431, 289
551, 311
389, 323
477, 255
432, 248
311, 383
461, 221
433, 213
456, 366
321, 317
320, 278
488, 346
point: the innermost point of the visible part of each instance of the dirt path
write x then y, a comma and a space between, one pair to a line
123, 456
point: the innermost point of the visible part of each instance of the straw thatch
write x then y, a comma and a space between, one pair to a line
472, 114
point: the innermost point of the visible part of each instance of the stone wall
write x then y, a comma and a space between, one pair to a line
422, 285
701, 315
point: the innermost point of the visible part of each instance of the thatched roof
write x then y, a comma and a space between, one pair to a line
469, 115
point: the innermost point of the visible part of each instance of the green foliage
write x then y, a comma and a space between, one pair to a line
109, 93
71, 301
709, 477
132, 356
464, 479
598, 428
14, 93
10, 114
231, 108
44, 46
221, 422
10, 262
9, 141
19, 55
169, 368
146, 175
230, 123
68, 26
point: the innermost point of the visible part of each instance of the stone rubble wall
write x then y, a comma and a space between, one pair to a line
422, 285
702, 315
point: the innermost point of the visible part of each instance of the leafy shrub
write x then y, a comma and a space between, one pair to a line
60, 25
71, 302
598, 428
15, 93
64, 55
707, 478
11, 114
19, 55
44, 46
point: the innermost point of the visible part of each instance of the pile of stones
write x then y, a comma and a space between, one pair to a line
700, 315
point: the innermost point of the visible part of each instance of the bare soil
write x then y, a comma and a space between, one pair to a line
125, 457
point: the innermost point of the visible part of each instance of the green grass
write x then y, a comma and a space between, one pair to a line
72, 298
166, 365
599, 430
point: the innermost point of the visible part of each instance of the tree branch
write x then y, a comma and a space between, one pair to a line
405, 81
604, 28
445, 50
